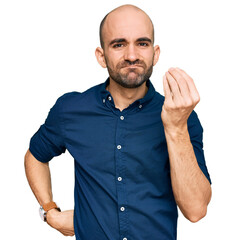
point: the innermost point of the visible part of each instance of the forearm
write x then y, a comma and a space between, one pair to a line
38, 176
191, 188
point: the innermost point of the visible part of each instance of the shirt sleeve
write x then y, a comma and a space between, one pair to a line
196, 136
48, 141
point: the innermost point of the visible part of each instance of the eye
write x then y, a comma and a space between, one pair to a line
143, 44
118, 45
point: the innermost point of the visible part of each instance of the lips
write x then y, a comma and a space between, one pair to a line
133, 66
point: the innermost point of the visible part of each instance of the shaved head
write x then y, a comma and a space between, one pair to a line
127, 46
123, 10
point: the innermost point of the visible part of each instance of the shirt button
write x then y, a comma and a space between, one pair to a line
119, 178
140, 106
122, 117
124, 238
109, 98
122, 209
118, 146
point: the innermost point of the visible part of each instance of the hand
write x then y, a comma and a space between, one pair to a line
61, 221
181, 96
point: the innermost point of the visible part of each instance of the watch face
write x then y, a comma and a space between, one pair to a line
42, 213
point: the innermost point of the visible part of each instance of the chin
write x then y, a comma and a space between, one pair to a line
133, 82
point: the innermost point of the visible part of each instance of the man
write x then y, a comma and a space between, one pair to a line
137, 154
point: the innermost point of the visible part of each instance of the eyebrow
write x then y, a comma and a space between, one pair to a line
119, 40
144, 39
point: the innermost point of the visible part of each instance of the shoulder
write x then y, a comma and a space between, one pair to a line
193, 119
194, 125
76, 99
159, 97
69, 97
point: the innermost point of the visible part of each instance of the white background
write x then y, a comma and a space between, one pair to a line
47, 49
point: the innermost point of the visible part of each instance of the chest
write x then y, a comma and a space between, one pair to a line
100, 142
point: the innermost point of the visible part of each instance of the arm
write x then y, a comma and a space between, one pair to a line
38, 176
192, 190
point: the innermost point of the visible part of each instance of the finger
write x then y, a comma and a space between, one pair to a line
174, 88
166, 88
192, 88
182, 83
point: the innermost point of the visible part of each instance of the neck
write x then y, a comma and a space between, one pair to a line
122, 96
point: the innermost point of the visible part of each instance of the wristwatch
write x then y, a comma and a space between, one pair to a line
45, 208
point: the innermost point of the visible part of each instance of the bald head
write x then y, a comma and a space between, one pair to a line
126, 13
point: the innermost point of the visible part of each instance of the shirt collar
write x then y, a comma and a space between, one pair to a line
148, 96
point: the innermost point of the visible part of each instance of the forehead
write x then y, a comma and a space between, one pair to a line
128, 24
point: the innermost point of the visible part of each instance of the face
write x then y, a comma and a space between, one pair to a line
128, 51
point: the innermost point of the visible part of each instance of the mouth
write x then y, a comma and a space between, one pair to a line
133, 66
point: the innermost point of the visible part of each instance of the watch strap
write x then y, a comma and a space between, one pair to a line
49, 206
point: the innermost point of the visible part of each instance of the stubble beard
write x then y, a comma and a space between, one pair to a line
124, 79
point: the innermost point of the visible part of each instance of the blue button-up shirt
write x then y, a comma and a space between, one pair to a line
122, 172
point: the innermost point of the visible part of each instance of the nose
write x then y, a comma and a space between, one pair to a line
131, 53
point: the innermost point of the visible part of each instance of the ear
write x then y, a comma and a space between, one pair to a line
99, 52
156, 54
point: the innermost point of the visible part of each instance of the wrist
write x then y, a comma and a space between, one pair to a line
44, 209
177, 133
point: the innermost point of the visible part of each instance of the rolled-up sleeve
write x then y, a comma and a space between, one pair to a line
48, 141
196, 136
